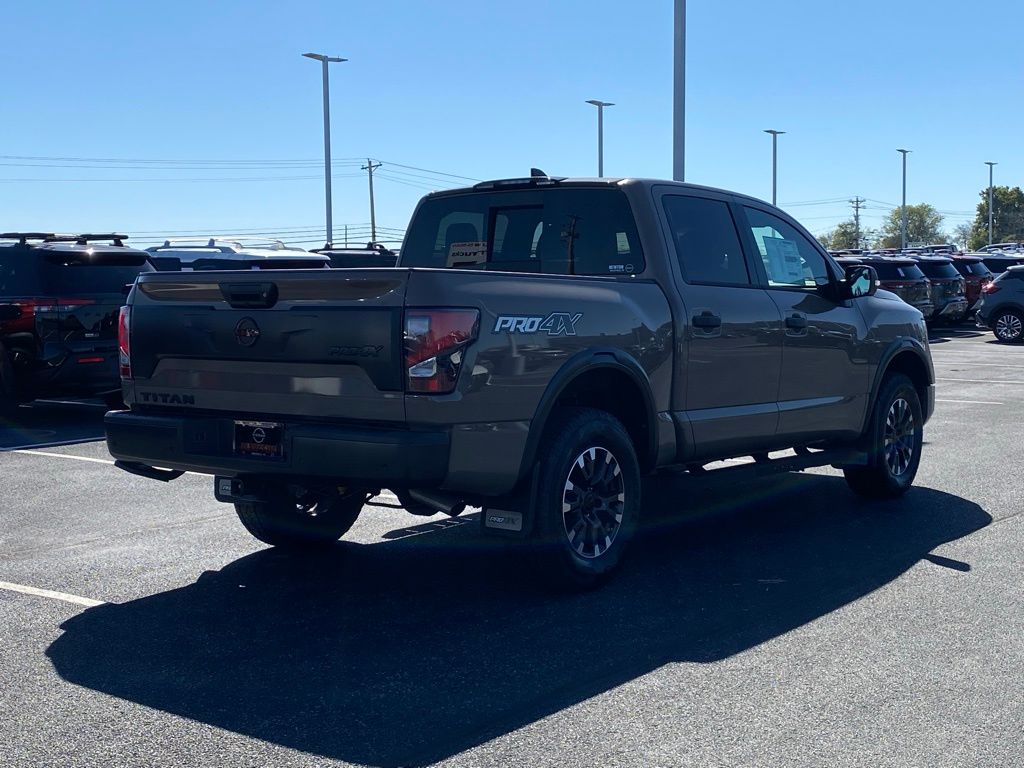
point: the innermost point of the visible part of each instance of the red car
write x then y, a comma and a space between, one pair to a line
976, 275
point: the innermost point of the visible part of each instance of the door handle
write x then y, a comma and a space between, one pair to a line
706, 320
796, 322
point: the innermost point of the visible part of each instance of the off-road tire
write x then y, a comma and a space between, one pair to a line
893, 440
582, 532
282, 522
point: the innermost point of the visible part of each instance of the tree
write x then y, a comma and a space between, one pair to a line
843, 236
962, 235
924, 225
1007, 219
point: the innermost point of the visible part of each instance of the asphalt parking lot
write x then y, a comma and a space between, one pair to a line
771, 624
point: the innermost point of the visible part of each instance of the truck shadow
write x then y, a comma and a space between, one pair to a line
44, 424
409, 651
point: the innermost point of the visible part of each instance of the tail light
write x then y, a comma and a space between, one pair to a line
435, 340
124, 343
990, 287
20, 316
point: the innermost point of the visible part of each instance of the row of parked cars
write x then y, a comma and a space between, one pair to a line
947, 285
60, 296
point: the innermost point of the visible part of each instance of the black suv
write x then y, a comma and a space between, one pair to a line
373, 255
59, 302
949, 289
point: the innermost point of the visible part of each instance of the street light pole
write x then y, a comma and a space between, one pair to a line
325, 60
903, 208
775, 159
679, 94
600, 132
990, 200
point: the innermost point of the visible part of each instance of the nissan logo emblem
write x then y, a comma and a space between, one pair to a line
258, 435
247, 332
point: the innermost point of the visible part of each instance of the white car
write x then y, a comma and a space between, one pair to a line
196, 254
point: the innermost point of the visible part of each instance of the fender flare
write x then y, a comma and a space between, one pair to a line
897, 347
580, 364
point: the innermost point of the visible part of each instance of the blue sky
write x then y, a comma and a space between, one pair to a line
486, 89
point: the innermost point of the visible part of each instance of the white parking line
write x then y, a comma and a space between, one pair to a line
88, 602
981, 381
972, 402
62, 456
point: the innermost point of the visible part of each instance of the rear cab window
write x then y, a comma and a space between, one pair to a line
571, 230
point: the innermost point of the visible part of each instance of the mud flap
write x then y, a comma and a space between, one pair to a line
512, 516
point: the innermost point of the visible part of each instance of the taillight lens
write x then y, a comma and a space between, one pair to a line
435, 342
124, 344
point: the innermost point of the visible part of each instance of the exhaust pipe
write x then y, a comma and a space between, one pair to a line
440, 502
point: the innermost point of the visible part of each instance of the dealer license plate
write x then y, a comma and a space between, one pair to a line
259, 438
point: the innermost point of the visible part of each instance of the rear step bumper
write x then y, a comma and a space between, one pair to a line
401, 458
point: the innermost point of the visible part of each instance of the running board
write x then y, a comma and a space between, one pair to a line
804, 459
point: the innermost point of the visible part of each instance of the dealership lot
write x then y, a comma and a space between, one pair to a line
789, 623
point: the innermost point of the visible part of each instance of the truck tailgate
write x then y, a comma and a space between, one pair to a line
323, 344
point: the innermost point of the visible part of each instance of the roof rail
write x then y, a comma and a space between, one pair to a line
24, 237
54, 237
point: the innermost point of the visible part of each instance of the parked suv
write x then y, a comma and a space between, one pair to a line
201, 254
901, 276
543, 343
976, 276
948, 287
1000, 262
1002, 305
59, 302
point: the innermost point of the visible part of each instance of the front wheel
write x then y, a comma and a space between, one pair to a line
307, 520
1008, 325
588, 496
895, 436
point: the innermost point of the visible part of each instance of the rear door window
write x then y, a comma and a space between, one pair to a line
582, 231
706, 241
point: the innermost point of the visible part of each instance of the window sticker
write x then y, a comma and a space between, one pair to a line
784, 262
467, 253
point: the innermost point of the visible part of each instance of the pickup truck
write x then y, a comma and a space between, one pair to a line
542, 344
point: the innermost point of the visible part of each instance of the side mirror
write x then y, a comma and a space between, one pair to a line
861, 280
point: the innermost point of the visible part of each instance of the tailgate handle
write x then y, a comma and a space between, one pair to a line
249, 295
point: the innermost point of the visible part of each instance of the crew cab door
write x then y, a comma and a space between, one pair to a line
825, 377
727, 377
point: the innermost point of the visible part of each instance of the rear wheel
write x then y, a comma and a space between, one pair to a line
1008, 325
305, 520
895, 436
588, 496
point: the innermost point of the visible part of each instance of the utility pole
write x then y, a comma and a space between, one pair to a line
775, 159
679, 94
370, 167
903, 208
324, 61
857, 202
990, 200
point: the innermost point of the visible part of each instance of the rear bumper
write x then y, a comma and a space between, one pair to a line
82, 373
953, 309
358, 456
